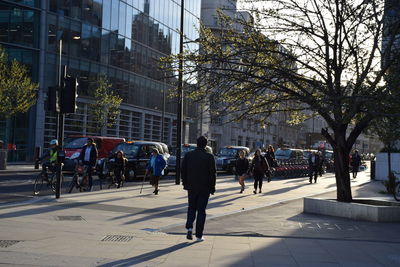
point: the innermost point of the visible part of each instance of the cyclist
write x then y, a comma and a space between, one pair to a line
88, 157
49, 159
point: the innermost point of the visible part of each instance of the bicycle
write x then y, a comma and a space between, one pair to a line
80, 184
50, 181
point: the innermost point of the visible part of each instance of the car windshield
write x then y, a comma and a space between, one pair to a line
75, 142
306, 154
228, 152
283, 153
328, 155
130, 150
186, 149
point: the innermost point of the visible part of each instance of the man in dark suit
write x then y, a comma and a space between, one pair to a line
314, 163
198, 178
88, 157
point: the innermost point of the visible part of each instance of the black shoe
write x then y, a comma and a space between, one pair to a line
156, 192
315, 180
259, 191
310, 180
189, 235
269, 180
255, 192
241, 191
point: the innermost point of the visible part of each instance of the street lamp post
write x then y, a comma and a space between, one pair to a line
180, 102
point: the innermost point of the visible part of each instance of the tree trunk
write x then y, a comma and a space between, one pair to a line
342, 174
389, 160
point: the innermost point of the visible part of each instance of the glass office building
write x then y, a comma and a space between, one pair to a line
121, 39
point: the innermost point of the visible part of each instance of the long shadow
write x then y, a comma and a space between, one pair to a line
55, 207
283, 190
146, 256
180, 211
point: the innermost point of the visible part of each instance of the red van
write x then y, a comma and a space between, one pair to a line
73, 145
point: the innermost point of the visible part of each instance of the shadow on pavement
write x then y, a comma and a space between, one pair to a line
146, 256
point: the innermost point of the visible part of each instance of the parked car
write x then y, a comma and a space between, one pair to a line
289, 154
307, 153
73, 145
185, 149
227, 156
138, 154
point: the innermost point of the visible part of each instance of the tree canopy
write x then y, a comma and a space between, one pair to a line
295, 55
17, 91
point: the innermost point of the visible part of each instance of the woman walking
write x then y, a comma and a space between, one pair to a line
120, 163
242, 167
259, 166
155, 168
270, 156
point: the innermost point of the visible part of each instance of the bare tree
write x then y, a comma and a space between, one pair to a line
295, 55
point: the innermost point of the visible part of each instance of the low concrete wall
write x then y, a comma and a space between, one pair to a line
381, 211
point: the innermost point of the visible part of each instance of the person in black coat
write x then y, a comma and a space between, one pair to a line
88, 157
314, 163
198, 178
355, 163
119, 167
241, 169
259, 167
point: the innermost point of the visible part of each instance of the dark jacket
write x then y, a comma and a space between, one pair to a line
270, 156
316, 161
120, 163
93, 155
199, 171
259, 166
242, 166
355, 160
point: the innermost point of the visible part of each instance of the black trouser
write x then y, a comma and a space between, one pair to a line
314, 172
258, 180
89, 172
355, 170
118, 172
48, 166
197, 203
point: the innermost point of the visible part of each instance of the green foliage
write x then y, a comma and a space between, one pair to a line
17, 91
106, 106
390, 183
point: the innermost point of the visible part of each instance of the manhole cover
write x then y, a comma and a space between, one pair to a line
8, 243
69, 218
117, 238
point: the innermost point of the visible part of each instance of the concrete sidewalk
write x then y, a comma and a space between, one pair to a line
18, 168
125, 228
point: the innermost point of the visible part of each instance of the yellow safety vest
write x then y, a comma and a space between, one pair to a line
53, 156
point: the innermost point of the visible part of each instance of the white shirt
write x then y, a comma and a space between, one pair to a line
87, 153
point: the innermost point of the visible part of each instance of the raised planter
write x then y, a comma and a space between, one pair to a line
359, 209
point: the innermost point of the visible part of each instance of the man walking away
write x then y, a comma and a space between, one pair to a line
198, 178
313, 163
355, 163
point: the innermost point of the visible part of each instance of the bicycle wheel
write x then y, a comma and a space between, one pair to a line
396, 193
73, 183
38, 184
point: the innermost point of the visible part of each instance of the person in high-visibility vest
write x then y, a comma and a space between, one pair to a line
49, 159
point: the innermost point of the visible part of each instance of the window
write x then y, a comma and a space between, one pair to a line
106, 22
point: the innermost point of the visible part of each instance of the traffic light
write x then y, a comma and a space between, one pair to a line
69, 90
53, 99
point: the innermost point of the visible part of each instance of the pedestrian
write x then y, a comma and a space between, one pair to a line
355, 163
321, 162
88, 157
241, 168
259, 166
155, 168
198, 178
313, 164
120, 163
270, 156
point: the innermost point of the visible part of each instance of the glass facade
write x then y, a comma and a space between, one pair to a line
123, 40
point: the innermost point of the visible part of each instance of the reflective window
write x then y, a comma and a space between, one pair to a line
128, 30
122, 18
97, 9
95, 44
75, 39
106, 14
85, 40
52, 34
105, 46
76, 9
114, 16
